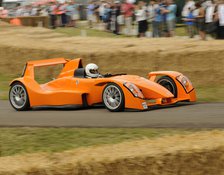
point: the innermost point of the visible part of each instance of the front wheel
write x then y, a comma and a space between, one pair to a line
169, 84
113, 97
18, 97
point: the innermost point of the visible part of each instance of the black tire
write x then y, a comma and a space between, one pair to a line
113, 97
18, 97
169, 84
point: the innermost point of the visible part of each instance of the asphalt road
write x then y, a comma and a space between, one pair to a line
199, 115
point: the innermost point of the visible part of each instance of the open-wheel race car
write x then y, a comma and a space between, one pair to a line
115, 92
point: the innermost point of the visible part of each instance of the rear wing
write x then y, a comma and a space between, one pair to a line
68, 70
48, 62
30, 65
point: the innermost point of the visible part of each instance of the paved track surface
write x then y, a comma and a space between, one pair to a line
199, 115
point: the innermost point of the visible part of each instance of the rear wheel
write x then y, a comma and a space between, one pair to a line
18, 97
169, 84
113, 97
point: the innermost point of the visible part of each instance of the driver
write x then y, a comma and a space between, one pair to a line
92, 71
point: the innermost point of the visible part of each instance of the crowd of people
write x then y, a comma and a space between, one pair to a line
160, 15
205, 16
201, 17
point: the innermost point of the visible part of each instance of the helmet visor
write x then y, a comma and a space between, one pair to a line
93, 71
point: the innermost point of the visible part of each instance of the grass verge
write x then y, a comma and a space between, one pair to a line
210, 93
31, 140
195, 153
4, 86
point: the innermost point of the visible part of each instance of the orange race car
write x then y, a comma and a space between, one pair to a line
76, 85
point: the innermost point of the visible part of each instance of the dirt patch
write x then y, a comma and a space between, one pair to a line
199, 153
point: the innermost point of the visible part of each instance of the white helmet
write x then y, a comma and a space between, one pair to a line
92, 70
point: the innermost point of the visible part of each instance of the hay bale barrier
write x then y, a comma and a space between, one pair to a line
199, 154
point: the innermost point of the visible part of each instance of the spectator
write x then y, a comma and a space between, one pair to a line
26, 11
211, 24
90, 13
62, 14
200, 20
220, 17
34, 10
75, 13
43, 11
170, 12
141, 18
96, 11
151, 12
39, 10
189, 5
69, 13
52, 10
101, 10
190, 23
127, 10
163, 6
19, 11
207, 15
107, 16
157, 21
3, 12
12, 12
115, 12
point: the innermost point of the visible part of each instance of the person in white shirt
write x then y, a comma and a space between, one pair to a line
209, 12
102, 10
19, 11
190, 4
34, 10
220, 18
210, 22
141, 17
152, 14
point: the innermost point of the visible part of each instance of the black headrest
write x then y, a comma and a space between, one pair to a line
80, 72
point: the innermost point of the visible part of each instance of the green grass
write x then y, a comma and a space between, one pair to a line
4, 86
210, 93
32, 140
181, 31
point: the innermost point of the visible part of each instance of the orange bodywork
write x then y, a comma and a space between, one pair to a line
68, 89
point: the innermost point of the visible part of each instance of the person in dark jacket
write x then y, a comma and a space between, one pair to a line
115, 12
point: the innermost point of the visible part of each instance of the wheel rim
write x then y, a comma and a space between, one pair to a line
168, 85
18, 96
112, 97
